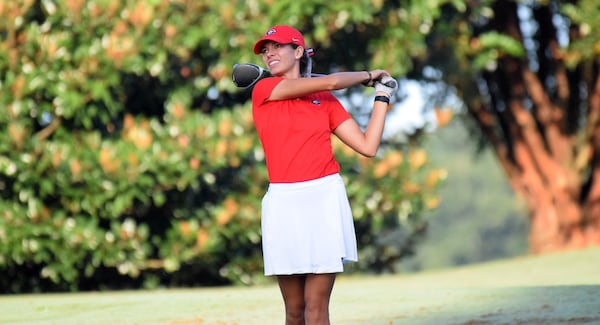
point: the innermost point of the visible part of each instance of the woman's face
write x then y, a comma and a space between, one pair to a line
282, 59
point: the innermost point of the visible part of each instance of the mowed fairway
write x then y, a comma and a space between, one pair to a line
552, 289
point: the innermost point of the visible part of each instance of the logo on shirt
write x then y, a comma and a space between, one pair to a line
316, 102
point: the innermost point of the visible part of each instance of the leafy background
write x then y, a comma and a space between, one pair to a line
128, 158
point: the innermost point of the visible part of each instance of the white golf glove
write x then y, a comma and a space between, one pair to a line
387, 85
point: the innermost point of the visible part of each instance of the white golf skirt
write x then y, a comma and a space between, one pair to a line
307, 227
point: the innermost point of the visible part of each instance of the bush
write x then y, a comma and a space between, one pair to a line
127, 158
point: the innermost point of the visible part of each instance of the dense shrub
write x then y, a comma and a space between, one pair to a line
128, 159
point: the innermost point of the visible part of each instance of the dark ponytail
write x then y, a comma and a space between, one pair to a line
305, 62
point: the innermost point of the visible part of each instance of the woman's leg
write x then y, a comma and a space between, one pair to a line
306, 298
292, 290
317, 292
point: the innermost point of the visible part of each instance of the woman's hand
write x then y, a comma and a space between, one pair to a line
387, 86
375, 75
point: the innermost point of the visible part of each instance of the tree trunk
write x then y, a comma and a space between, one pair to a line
535, 138
560, 216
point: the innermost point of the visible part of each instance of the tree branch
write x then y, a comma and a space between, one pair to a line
549, 116
48, 130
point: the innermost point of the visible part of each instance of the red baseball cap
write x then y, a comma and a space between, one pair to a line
281, 34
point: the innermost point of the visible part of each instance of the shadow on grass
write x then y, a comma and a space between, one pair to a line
578, 304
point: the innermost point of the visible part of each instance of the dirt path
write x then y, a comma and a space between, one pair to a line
553, 289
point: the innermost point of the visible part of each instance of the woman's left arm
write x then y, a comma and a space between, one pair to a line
366, 143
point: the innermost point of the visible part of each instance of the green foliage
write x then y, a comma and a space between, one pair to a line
585, 15
128, 158
491, 46
391, 196
479, 218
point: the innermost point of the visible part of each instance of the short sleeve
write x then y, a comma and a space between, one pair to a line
337, 112
262, 90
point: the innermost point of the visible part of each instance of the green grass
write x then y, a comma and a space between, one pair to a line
552, 289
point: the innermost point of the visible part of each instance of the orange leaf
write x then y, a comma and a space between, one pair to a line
411, 188
201, 239
75, 167
417, 158
381, 169
17, 87
443, 116
107, 161
194, 163
185, 228
225, 127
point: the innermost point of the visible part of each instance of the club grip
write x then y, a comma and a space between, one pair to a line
391, 83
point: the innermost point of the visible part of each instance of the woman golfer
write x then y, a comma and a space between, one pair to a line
307, 227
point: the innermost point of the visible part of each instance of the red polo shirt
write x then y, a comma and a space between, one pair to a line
296, 133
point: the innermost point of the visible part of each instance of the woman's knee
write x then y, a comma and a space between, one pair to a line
295, 308
316, 295
292, 289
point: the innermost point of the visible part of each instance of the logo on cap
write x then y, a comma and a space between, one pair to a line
271, 31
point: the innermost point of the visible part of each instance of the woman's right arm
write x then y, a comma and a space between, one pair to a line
293, 88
